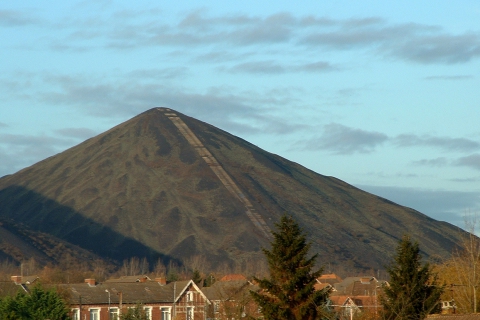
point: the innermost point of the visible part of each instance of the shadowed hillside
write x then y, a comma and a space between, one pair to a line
164, 184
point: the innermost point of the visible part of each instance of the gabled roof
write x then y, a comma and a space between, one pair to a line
339, 301
29, 279
232, 277
321, 286
141, 278
185, 287
132, 292
329, 278
359, 286
345, 301
24, 279
227, 290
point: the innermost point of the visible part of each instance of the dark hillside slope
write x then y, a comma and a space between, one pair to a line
166, 185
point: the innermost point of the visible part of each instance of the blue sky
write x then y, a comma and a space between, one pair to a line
382, 95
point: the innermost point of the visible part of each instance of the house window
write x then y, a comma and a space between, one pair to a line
94, 314
148, 312
190, 313
216, 306
114, 314
165, 313
190, 296
75, 314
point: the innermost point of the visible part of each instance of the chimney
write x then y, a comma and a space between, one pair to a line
162, 281
91, 282
16, 279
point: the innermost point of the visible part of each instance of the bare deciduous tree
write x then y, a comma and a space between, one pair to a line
197, 262
160, 270
131, 267
466, 262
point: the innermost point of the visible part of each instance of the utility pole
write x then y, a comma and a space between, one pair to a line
120, 300
174, 296
109, 316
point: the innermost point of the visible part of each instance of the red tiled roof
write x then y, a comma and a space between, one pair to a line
233, 277
321, 286
329, 276
338, 300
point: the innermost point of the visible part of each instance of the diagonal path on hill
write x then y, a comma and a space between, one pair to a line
219, 171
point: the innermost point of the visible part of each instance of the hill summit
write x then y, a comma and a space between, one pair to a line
163, 184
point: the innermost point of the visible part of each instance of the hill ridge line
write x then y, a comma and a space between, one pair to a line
219, 171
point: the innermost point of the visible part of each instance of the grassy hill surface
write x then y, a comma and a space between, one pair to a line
141, 189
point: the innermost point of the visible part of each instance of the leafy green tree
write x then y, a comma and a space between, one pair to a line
137, 313
39, 304
413, 290
289, 292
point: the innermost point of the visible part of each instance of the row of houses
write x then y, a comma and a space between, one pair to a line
228, 298
361, 295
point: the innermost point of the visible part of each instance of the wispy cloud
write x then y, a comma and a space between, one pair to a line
272, 67
442, 205
18, 140
467, 180
340, 139
472, 161
413, 42
450, 78
77, 133
225, 107
437, 162
18, 151
437, 48
445, 143
11, 18
263, 67
159, 74
222, 56
319, 66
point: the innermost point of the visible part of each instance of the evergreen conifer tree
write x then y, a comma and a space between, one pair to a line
197, 277
413, 290
289, 292
39, 304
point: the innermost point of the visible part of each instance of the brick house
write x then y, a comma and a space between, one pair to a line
356, 295
175, 300
231, 299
